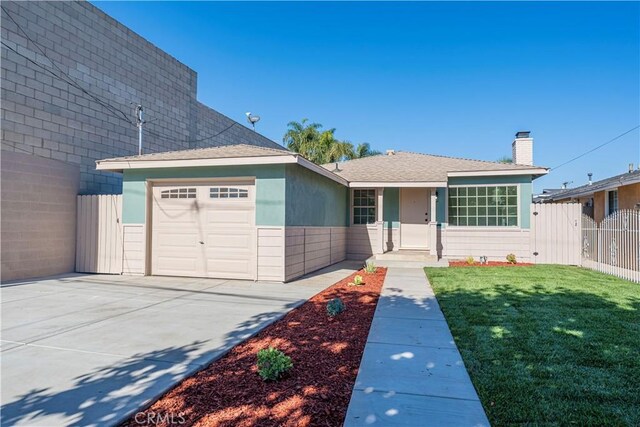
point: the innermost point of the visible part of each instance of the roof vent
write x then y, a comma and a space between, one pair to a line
590, 175
391, 152
630, 167
337, 169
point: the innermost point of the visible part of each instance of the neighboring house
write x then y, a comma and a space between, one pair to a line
259, 213
602, 198
71, 77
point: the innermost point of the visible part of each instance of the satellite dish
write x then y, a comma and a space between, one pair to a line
252, 119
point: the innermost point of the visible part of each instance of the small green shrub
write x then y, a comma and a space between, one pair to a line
370, 267
511, 259
272, 364
335, 307
357, 281
470, 260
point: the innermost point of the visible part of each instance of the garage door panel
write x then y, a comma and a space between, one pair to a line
230, 216
171, 263
228, 268
229, 239
225, 226
175, 240
175, 218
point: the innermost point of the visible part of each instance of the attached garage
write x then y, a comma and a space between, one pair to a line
204, 229
230, 212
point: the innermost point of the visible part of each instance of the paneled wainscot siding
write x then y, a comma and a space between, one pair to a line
270, 253
311, 248
133, 261
362, 241
495, 243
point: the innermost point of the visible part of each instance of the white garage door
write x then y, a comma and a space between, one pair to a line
204, 230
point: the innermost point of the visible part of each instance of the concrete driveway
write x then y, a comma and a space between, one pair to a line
92, 349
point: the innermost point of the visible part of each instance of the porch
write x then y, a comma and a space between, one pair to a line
400, 224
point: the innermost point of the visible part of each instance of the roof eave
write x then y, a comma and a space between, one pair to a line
320, 170
402, 184
121, 165
535, 172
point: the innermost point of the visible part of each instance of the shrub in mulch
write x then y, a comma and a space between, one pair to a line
488, 264
325, 352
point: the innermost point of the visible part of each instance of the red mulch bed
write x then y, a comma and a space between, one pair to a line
488, 264
326, 355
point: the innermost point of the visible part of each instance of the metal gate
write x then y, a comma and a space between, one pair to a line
613, 246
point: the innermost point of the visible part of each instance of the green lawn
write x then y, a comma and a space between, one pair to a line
546, 345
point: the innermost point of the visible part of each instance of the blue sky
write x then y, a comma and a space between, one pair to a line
456, 79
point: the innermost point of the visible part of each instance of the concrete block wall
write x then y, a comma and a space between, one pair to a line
70, 74
38, 211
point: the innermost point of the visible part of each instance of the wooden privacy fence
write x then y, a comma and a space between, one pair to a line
99, 234
555, 233
613, 246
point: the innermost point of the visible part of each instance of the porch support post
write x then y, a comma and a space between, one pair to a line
379, 221
433, 224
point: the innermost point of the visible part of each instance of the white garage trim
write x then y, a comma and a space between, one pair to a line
199, 232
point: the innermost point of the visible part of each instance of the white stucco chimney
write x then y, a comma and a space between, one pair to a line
522, 149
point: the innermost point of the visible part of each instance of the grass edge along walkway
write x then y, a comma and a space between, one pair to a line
546, 344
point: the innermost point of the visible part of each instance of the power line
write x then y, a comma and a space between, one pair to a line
115, 112
109, 108
596, 148
68, 78
193, 141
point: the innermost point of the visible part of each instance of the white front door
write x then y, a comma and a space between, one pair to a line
204, 230
414, 218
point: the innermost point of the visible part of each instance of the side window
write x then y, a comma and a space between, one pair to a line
364, 206
612, 201
228, 193
179, 193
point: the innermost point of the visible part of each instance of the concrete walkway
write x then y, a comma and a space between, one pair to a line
411, 373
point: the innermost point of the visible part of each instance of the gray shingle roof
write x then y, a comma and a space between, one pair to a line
612, 182
405, 166
221, 152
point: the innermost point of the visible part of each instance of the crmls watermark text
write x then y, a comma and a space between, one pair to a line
151, 418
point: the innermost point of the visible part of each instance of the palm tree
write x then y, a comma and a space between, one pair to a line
339, 150
302, 137
364, 150
321, 146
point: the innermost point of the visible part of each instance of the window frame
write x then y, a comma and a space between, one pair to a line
486, 227
607, 206
353, 206
230, 192
187, 191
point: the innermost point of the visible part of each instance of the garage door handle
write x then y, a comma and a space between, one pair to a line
201, 242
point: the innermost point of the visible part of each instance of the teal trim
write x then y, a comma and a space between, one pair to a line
314, 200
526, 198
480, 180
391, 207
270, 189
133, 200
526, 190
441, 204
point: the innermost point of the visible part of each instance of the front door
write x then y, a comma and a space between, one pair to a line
414, 218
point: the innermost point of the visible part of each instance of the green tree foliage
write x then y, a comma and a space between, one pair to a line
321, 146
